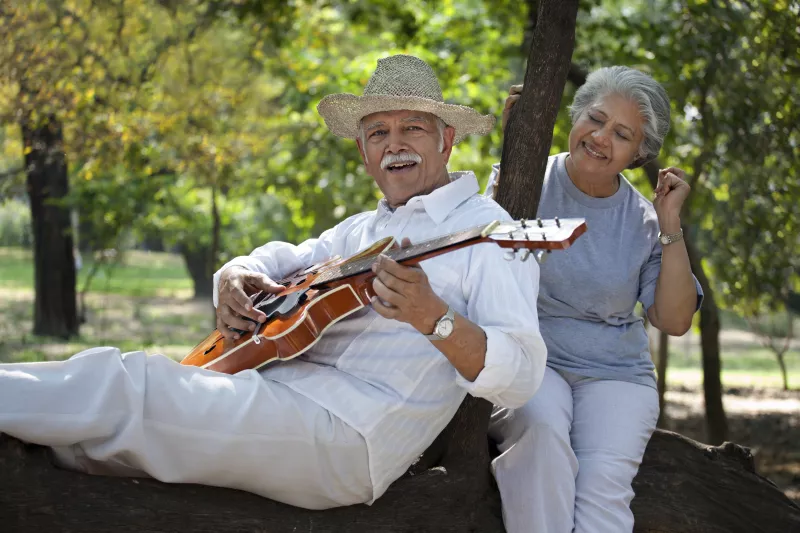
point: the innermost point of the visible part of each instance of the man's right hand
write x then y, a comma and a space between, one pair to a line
235, 284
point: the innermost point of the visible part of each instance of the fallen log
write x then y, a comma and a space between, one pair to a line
683, 486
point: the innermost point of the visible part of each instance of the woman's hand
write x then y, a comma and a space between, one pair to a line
671, 191
514, 92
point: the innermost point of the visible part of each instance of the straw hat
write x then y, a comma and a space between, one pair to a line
400, 82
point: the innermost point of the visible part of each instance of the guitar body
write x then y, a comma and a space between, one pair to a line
296, 318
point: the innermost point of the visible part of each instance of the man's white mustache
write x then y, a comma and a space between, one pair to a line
403, 157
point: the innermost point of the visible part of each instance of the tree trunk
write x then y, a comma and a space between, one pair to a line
784, 375
198, 264
682, 487
529, 132
55, 309
661, 368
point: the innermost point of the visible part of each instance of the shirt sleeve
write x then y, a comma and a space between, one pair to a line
492, 183
648, 277
501, 299
279, 259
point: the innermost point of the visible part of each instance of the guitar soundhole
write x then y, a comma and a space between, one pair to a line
210, 349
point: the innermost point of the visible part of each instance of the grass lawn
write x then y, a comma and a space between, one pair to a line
745, 363
133, 273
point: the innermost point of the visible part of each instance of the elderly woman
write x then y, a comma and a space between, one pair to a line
569, 456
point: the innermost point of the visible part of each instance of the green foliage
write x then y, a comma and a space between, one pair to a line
15, 223
165, 101
731, 69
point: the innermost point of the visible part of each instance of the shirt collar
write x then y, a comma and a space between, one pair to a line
441, 202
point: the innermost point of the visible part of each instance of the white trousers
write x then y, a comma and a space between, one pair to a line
569, 456
133, 414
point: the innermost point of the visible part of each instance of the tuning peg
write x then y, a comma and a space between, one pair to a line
558, 222
524, 223
510, 255
539, 222
541, 256
524, 254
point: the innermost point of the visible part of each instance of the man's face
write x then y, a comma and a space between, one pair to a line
401, 152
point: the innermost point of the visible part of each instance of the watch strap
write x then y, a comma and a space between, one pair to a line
449, 315
670, 237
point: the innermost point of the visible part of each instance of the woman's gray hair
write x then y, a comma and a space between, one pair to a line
440, 126
634, 85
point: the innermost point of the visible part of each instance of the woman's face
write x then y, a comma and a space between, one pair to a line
605, 139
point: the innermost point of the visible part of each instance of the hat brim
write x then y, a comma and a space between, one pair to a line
343, 112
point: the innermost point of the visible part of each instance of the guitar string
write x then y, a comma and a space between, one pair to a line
398, 254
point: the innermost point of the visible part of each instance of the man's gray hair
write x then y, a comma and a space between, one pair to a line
637, 86
440, 126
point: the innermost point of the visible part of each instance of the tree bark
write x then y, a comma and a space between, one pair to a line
55, 308
529, 132
197, 261
682, 487
661, 369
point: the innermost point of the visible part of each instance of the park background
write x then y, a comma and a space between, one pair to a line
170, 136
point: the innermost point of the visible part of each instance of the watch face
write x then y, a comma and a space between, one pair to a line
444, 328
665, 239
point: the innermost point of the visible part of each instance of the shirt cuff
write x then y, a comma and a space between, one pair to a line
500, 368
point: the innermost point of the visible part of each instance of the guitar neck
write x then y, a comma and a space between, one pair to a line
410, 255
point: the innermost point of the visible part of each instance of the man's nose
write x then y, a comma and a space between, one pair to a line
395, 142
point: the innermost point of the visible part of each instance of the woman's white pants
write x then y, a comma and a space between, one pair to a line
568, 457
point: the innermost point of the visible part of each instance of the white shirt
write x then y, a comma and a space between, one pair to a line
383, 377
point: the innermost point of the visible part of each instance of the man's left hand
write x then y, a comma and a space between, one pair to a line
405, 294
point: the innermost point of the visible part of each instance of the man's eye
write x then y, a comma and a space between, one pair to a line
414, 128
377, 132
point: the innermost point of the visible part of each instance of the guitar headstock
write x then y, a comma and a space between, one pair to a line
545, 234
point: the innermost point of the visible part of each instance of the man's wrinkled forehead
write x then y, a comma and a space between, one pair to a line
376, 120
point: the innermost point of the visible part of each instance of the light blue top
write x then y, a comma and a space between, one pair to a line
588, 292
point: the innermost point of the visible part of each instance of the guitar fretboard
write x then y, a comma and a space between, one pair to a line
398, 254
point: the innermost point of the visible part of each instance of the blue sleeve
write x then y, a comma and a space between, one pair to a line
648, 277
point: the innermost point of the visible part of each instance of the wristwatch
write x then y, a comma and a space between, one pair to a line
669, 238
444, 326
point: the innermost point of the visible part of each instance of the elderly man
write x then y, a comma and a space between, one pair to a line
338, 424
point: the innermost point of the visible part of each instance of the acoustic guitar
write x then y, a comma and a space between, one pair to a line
315, 298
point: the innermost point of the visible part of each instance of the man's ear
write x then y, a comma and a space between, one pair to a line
361, 151
449, 135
